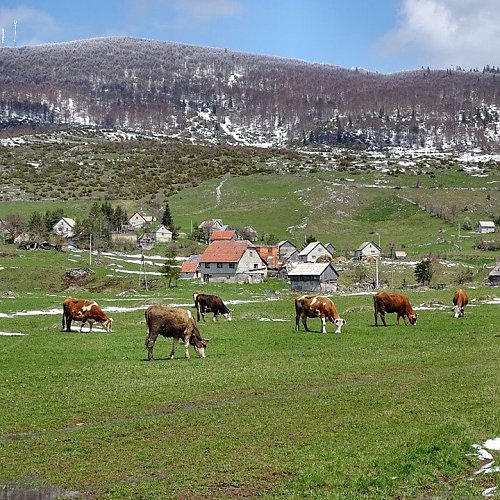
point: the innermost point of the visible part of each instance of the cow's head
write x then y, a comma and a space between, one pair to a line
199, 347
339, 322
195, 294
412, 318
107, 324
459, 311
228, 315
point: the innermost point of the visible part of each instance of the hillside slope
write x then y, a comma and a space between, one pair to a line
217, 96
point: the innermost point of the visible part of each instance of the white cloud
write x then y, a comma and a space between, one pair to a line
444, 33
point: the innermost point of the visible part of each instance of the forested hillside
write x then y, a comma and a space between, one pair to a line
217, 96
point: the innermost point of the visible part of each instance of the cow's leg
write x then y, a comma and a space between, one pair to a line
304, 322
174, 347
186, 347
375, 314
81, 326
382, 317
150, 342
297, 322
198, 311
215, 317
323, 324
68, 323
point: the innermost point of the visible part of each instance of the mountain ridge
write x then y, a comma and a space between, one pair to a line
217, 96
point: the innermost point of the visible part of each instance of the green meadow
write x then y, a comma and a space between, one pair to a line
273, 413
270, 413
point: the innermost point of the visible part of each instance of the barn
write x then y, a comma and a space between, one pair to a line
313, 277
494, 276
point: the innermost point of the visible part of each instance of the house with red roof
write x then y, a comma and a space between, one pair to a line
189, 268
235, 261
269, 254
226, 235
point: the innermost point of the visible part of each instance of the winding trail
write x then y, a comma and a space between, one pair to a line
218, 193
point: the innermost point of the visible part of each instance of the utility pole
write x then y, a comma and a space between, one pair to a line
90, 249
142, 271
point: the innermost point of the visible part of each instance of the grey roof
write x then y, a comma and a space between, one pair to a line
495, 271
310, 269
366, 243
309, 248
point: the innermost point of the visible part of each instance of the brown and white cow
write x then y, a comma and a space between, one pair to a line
204, 303
384, 302
460, 300
85, 311
175, 323
315, 306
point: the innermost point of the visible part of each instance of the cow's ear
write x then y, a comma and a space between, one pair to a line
206, 340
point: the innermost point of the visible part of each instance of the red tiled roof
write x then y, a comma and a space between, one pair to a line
189, 267
225, 251
223, 235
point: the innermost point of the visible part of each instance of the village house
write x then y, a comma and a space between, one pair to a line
137, 221
399, 255
64, 227
366, 250
313, 277
209, 226
232, 261
190, 267
146, 241
163, 235
226, 235
269, 254
485, 226
285, 249
494, 276
330, 248
313, 251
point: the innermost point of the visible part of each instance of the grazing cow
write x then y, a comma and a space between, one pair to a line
460, 300
210, 303
84, 311
312, 306
176, 323
393, 302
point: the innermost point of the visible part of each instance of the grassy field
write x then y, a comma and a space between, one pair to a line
371, 413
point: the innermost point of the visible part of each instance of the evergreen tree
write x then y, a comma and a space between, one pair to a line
424, 272
167, 220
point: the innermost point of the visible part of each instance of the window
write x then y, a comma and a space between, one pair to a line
207, 265
231, 265
255, 266
219, 265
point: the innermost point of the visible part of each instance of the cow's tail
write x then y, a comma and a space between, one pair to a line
146, 315
298, 312
375, 309
63, 322
198, 309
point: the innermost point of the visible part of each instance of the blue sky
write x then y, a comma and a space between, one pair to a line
377, 35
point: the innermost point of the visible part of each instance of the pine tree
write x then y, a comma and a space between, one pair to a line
424, 272
167, 220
